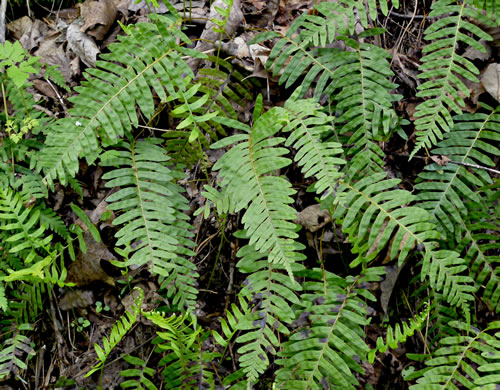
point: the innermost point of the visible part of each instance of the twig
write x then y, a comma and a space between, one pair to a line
3, 9
59, 97
475, 166
420, 17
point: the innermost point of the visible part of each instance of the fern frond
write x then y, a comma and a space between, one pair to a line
373, 209
356, 80
27, 236
491, 7
270, 296
372, 212
444, 69
328, 344
469, 360
118, 331
153, 218
146, 63
15, 351
399, 333
186, 361
318, 158
247, 172
141, 372
445, 190
480, 244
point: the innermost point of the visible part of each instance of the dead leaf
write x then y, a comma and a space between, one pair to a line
19, 27
473, 54
78, 298
387, 286
490, 79
29, 33
44, 88
51, 53
313, 218
440, 160
86, 269
98, 17
82, 45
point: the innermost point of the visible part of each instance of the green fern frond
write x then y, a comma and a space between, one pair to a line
247, 172
480, 244
469, 360
399, 333
142, 372
118, 331
226, 86
27, 236
146, 63
318, 158
444, 69
356, 81
326, 348
373, 210
491, 7
15, 351
153, 218
270, 296
444, 190
186, 361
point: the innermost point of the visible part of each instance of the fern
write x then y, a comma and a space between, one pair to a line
452, 194
328, 344
480, 245
444, 190
397, 335
142, 372
315, 157
185, 361
16, 350
118, 331
469, 360
442, 68
355, 79
146, 63
267, 291
152, 216
245, 170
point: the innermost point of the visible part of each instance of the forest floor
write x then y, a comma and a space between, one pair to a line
73, 320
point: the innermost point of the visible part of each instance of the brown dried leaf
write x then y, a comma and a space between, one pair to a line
86, 269
51, 53
440, 160
98, 17
491, 80
78, 298
313, 218
82, 45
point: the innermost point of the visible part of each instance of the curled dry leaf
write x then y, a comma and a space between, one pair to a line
51, 53
313, 218
82, 45
29, 33
86, 269
98, 17
440, 160
491, 80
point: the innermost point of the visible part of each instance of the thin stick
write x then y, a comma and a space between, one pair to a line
475, 166
3, 9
